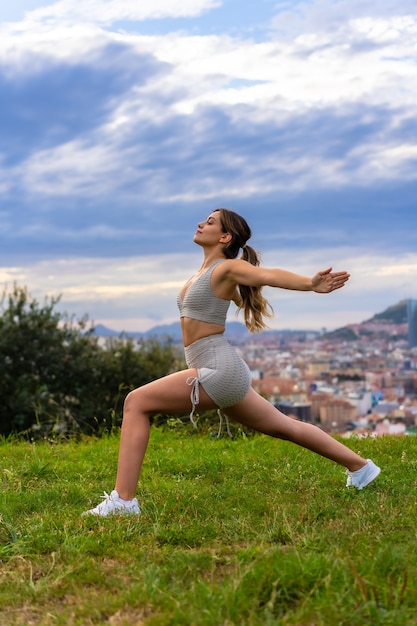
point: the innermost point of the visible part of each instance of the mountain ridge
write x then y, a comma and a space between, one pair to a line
378, 324
395, 314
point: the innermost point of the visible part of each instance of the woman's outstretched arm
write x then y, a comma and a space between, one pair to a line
243, 273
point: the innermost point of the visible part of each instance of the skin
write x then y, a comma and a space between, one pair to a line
171, 393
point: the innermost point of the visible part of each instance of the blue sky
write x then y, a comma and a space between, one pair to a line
124, 123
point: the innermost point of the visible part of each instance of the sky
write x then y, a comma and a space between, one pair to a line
124, 123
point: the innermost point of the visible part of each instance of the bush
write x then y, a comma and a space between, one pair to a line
55, 377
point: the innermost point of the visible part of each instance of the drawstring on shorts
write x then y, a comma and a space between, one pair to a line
226, 419
194, 383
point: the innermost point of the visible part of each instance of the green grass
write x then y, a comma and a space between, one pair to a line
247, 532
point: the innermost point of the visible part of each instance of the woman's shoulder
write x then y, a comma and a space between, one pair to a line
227, 266
232, 270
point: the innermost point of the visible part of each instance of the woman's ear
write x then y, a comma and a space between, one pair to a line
226, 238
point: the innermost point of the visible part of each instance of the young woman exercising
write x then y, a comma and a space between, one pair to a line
217, 378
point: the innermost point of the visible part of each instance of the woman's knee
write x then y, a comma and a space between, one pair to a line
134, 408
141, 401
133, 401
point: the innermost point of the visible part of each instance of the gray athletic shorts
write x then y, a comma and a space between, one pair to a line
225, 377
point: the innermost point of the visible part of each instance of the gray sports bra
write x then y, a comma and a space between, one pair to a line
200, 303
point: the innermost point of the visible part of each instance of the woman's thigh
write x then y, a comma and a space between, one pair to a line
170, 393
261, 415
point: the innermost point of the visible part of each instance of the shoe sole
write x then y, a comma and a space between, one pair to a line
117, 512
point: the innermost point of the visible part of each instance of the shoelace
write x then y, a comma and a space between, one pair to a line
106, 498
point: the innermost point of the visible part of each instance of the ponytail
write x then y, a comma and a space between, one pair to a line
254, 306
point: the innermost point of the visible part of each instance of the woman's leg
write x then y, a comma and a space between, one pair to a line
170, 394
259, 414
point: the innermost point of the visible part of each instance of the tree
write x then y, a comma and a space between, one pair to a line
54, 373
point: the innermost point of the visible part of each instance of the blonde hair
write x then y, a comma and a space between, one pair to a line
254, 306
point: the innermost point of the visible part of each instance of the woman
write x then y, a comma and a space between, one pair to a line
216, 376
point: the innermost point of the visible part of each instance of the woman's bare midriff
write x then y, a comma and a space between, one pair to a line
193, 330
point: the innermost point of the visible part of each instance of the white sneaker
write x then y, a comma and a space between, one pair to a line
114, 505
363, 476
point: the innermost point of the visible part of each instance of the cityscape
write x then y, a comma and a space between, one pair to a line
361, 379
358, 380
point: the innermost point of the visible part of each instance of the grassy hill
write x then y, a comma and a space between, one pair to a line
245, 532
396, 314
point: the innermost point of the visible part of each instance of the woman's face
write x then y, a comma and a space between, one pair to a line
209, 232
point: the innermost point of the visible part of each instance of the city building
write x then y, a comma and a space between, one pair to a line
336, 411
299, 410
412, 323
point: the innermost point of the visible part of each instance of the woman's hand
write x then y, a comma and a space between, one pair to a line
327, 281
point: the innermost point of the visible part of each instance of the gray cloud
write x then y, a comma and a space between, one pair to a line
48, 102
115, 148
169, 174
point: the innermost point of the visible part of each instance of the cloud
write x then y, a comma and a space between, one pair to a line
331, 16
53, 101
144, 287
138, 292
142, 110
196, 157
152, 184
377, 282
113, 144
109, 11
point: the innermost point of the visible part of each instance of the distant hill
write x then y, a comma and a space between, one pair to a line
237, 332
381, 323
103, 331
234, 331
396, 314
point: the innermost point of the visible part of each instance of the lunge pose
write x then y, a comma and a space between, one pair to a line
216, 376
